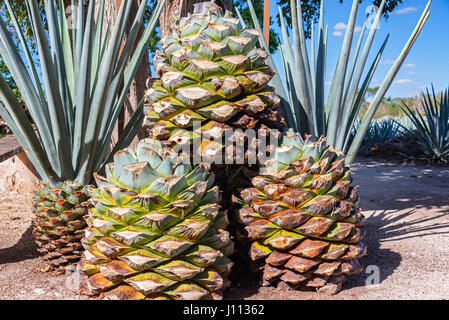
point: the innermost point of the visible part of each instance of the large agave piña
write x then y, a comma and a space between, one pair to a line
74, 108
301, 215
156, 231
212, 75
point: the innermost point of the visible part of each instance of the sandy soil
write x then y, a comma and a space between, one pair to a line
20, 264
407, 224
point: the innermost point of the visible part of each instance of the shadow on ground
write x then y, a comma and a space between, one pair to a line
24, 249
423, 202
381, 226
385, 186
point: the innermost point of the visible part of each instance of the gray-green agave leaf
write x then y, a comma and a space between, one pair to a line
86, 74
303, 94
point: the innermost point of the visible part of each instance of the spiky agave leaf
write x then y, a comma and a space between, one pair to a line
352, 150
76, 102
304, 105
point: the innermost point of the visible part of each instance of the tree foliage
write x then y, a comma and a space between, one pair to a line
7, 75
311, 10
242, 6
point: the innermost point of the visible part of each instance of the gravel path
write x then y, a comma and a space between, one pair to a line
407, 224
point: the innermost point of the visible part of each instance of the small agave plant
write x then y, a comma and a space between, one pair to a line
382, 130
301, 214
74, 104
432, 127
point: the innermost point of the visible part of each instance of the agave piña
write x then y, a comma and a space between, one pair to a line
156, 231
212, 79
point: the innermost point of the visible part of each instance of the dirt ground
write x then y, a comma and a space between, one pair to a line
407, 224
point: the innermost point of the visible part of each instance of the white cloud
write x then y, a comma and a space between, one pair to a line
408, 65
340, 28
418, 90
411, 73
388, 61
421, 88
406, 10
403, 81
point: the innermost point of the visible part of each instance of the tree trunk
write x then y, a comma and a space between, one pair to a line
138, 86
176, 9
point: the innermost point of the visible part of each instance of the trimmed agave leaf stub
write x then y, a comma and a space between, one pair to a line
305, 234
166, 241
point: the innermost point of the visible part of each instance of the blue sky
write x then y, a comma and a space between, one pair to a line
427, 62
